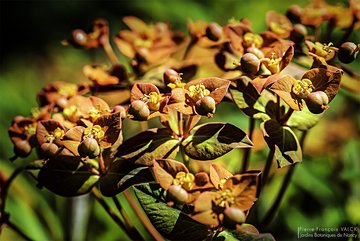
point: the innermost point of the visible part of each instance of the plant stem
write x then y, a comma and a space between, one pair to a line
110, 52
267, 167
142, 216
95, 192
247, 151
180, 124
18, 231
129, 225
271, 213
278, 108
287, 116
3, 195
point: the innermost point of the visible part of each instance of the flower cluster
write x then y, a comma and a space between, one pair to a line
77, 129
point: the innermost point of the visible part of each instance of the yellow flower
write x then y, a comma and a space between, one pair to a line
224, 198
253, 40
272, 64
94, 132
55, 135
197, 92
302, 88
186, 180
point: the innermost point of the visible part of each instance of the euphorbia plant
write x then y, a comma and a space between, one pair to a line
180, 82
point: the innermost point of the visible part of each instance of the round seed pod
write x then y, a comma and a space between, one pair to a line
214, 31
205, 106
139, 110
250, 64
233, 216
347, 52
49, 149
294, 13
317, 102
121, 109
298, 33
89, 147
78, 38
22, 148
177, 194
171, 76
257, 52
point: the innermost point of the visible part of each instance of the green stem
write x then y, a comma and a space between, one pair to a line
287, 179
18, 231
129, 225
3, 195
247, 152
95, 192
267, 168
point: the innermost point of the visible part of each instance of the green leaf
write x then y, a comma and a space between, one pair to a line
245, 95
170, 222
67, 176
243, 236
212, 140
284, 141
148, 145
121, 175
304, 120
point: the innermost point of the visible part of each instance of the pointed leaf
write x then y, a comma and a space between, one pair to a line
67, 176
284, 141
170, 222
121, 175
304, 120
212, 140
146, 146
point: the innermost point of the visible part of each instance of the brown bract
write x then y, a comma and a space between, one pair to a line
278, 24
152, 43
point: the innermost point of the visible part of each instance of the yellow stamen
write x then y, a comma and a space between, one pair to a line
186, 180
198, 91
302, 88
224, 198
94, 132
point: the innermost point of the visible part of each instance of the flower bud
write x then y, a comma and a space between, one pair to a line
317, 102
78, 37
177, 194
250, 64
205, 106
89, 147
22, 148
233, 216
49, 149
347, 52
298, 33
139, 110
214, 31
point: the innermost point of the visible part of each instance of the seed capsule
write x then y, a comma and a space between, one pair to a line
177, 194
294, 13
22, 148
205, 106
139, 110
214, 31
317, 102
233, 216
49, 149
250, 64
89, 147
171, 76
347, 52
298, 33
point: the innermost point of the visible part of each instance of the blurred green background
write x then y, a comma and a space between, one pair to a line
325, 191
